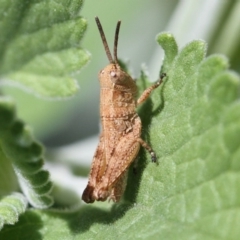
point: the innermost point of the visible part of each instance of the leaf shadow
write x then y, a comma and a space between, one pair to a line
28, 227
80, 221
103, 216
146, 113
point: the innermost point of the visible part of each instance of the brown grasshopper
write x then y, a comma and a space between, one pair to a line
120, 139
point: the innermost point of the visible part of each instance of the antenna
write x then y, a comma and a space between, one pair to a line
105, 44
116, 42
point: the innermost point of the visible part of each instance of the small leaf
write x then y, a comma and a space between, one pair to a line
25, 155
40, 48
169, 45
11, 207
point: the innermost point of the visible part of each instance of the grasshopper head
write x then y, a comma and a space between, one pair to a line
113, 75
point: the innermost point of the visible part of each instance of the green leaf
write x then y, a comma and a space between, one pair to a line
169, 45
192, 123
21, 153
11, 207
39, 45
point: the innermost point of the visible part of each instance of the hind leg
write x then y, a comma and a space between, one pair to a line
119, 187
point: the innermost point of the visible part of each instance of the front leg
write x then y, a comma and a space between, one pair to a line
148, 91
119, 187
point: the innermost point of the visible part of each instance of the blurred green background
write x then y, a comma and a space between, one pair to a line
61, 122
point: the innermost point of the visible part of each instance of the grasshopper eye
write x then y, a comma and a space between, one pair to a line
113, 74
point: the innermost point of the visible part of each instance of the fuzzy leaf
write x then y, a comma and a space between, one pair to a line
11, 207
24, 155
192, 123
39, 45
